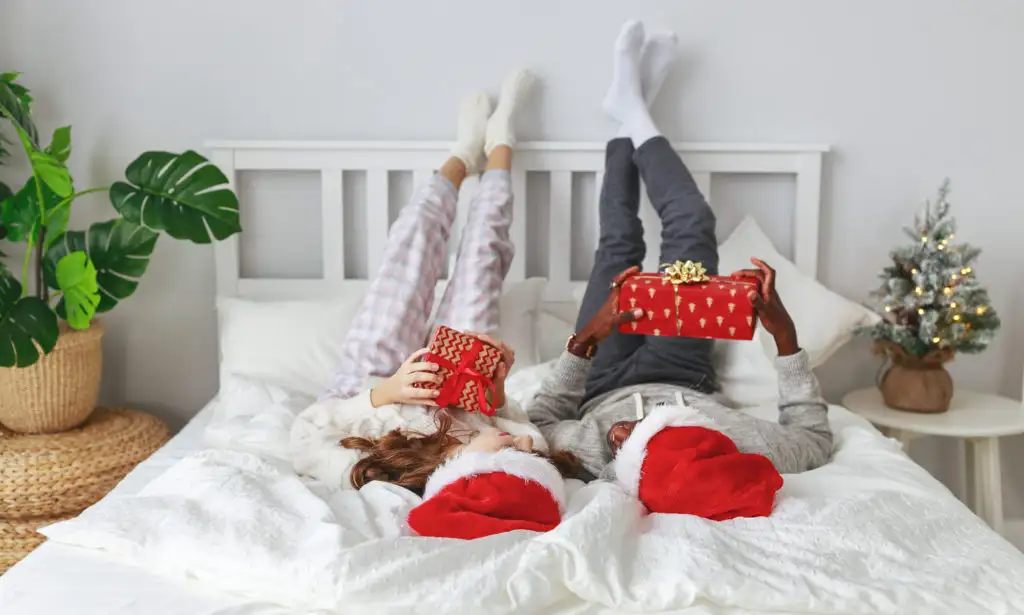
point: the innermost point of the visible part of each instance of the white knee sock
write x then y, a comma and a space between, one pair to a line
501, 128
471, 130
624, 101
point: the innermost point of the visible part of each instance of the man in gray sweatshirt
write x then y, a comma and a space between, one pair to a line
596, 394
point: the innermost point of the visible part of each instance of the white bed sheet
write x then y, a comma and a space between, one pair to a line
63, 580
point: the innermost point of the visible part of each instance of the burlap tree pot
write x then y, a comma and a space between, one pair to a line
916, 384
58, 392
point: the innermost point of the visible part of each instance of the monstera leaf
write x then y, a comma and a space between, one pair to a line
76, 277
183, 195
19, 214
119, 250
24, 323
16, 105
60, 145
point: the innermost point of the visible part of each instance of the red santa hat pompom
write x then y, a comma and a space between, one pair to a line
674, 465
478, 494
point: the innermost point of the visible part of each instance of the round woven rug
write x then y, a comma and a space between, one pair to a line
19, 537
52, 475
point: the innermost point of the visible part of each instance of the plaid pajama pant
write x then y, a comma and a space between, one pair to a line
393, 320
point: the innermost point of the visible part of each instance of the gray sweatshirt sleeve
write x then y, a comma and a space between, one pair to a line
803, 414
555, 411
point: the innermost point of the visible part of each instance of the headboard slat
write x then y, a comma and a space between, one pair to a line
377, 223
333, 220
517, 271
560, 229
226, 252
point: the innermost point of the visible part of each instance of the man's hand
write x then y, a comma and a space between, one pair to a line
608, 319
399, 389
774, 317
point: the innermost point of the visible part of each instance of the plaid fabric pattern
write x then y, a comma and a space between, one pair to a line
393, 319
472, 300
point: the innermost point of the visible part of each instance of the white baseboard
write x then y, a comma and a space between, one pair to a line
1014, 532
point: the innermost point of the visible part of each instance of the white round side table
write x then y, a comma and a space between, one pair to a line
978, 419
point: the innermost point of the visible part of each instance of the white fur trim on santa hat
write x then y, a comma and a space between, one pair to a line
508, 461
629, 460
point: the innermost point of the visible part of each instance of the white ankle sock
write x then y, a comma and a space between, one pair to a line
471, 130
500, 128
624, 101
656, 59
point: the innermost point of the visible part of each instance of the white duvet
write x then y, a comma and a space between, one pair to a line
871, 532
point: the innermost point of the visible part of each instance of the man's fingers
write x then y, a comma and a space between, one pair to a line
629, 316
619, 279
768, 289
757, 301
748, 273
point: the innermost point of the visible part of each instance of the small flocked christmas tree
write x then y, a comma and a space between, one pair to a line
930, 299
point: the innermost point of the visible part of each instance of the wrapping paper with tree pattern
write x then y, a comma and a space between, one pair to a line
717, 308
467, 366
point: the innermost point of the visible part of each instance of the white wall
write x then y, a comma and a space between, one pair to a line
906, 91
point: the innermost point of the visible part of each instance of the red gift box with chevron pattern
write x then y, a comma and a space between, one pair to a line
685, 302
468, 366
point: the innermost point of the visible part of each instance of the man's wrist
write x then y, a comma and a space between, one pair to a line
582, 345
787, 344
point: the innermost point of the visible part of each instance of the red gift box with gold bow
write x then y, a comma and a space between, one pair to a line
683, 301
467, 368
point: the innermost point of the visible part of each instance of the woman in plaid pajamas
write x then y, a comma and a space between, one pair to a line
373, 394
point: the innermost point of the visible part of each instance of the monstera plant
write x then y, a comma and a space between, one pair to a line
75, 275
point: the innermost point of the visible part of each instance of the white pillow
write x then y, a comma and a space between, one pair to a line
824, 320
297, 344
520, 310
290, 344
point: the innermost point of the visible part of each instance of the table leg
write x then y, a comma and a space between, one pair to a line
972, 484
988, 482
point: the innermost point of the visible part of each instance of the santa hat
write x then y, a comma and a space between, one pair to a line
479, 494
673, 464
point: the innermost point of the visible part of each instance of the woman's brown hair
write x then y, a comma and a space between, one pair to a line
408, 459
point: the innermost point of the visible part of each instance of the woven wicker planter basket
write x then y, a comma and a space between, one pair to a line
50, 475
60, 390
19, 537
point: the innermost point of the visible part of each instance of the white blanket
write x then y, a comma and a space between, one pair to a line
871, 532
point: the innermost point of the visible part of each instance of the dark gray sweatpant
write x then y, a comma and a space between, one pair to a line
688, 233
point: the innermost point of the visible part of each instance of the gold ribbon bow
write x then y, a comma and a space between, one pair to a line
686, 273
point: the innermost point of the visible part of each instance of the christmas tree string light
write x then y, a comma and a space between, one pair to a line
929, 298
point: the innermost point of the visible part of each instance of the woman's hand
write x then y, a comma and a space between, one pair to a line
770, 310
508, 360
399, 389
608, 319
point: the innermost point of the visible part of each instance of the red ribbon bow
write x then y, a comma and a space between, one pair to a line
461, 375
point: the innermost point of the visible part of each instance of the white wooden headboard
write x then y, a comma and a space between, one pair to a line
562, 161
